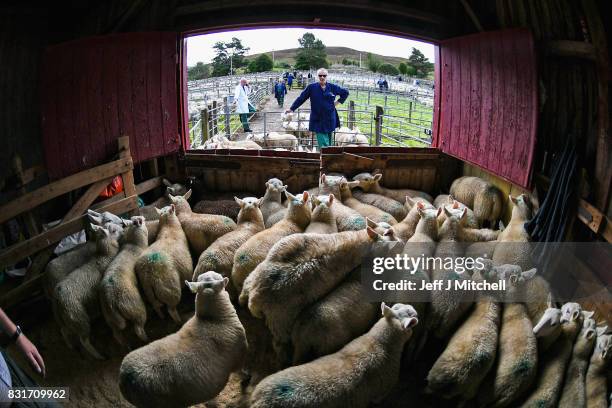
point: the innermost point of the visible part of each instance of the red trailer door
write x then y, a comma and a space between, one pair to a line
94, 90
486, 102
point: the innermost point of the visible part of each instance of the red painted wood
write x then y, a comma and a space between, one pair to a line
184, 91
97, 89
488, 102
437, 96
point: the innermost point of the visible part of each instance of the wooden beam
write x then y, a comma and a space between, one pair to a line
57, 188
16, 252
33, 173
149, 185
571, 49
28, 217
590, 216
127, 176
21, 292
472, 15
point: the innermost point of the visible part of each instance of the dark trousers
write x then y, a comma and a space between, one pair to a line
21, 379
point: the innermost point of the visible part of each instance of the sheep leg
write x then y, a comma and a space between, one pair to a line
174, 314
86, 342
66, 337
140, 332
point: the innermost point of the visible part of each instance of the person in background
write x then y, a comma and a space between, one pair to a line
385, 85
243, 106
324, 118
289, 80
280, 90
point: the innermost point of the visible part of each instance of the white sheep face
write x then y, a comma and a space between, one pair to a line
323, 200
570, 312
210, 281
248, 202
548, 322
275, 185
406, 314
603, 346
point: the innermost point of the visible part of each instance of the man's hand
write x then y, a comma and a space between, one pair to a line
288, 111
337, 103
31, 353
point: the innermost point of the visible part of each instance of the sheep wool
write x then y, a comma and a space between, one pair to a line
371, 184
323, 219
366, 210
596, 384
479, 195
271, 204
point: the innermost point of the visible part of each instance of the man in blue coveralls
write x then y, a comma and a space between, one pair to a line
323, 115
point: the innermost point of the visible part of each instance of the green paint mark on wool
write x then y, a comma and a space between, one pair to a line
211, 258
284, 390
522, 367
541, 404
227, 220
155, 257
358, 223
243, 258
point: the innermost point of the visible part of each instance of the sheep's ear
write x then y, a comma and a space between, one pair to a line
575, 315
549, 301
170, 190
95, 227
93, 213
455, 204
589, 334
529, 274
157, 210
239, 202
193, 286
167, 182
601, 330
172, 208
225, 282
589, 314
96, 219
371, 223
126, 223
377, 177
421, 210
371, 233
267, 184
409, 201
106, 232
514, 201
305, 196
172, 197
331, 199
187, 195
409, 322
464, 214
323, 178
285, 187
386, 311
289, 195
448, 213
353, 184
258, 202
439, 211
451, 199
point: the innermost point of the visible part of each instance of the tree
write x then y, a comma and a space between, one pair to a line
388, 69
261, 64
373, 62
311, 53
403, 68
229, 55
420, 63
198, 71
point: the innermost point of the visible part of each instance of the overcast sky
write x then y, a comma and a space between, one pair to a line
264, 40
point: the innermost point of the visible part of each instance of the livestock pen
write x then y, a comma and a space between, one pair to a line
97, 115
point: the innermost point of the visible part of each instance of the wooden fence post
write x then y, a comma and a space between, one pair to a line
410, 112
351, 114
378, 120
204, 118
215, 124
226, 110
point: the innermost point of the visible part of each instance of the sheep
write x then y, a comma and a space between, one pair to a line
406, 227
347, 219
548, 329
441, 199
328, 184
76, 296
596, 385
152, 230
255, 249
371, 184
515, 249
471, 351
517, 359
363, 371
120, 299
298, 271
479, 195
345, 136
162, 266
553, 363
366, 210
382, 228
333, 321
455, 206
574, 389
148, 211
219, 256
201, 230
103, 218
274, 139
192, 365
447, 306
271, 205
323, 220
225, 207
388, 205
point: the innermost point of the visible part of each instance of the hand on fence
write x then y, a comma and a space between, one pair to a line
288, 111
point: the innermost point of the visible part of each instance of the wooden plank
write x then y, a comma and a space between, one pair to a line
21, 292
486, 108
127, 176
149, 185
31, 226
169, 92
590, 216
26, 248
33, 173
57, 188
141, 144
571, 49
476, 102
110, 96
154, 103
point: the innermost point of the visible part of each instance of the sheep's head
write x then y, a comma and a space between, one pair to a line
208, 283
589, 326
570, 312
100, 232
522, 204
549, 322
401, 314
174, 188
297, 200
248, 202
346, 186
603, 345
366, 180
275, 185
167, 212
181, 202
411, 202
323, 201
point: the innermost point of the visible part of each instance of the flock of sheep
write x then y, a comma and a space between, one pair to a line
295, 265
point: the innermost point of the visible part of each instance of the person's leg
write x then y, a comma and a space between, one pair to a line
323, 139
244, 119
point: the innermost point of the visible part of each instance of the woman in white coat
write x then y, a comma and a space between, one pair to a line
243, 106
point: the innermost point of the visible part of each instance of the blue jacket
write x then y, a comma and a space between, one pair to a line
323, 115
279, 90
290, 79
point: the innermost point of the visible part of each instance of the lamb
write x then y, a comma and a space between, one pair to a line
554, 361
366, 210
406, 227
323, 220
347, 219
516, 364
222, 142
455, 206
271, 204
515, 249
448, 306
345, 136
255, 249
363, 371
219, 256
298, 271
388, 205
596, 386
442, 199
532, 290
192, 365
330, 323
162, 266
120, 299
148, 211
328, 184
548, 329
574, 389
103, 218
481, 196
225, 207
274, 139
471, 351
201, 230
152, 230
76, 296
371, 184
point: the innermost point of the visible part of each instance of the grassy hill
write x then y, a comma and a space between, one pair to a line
335, 55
